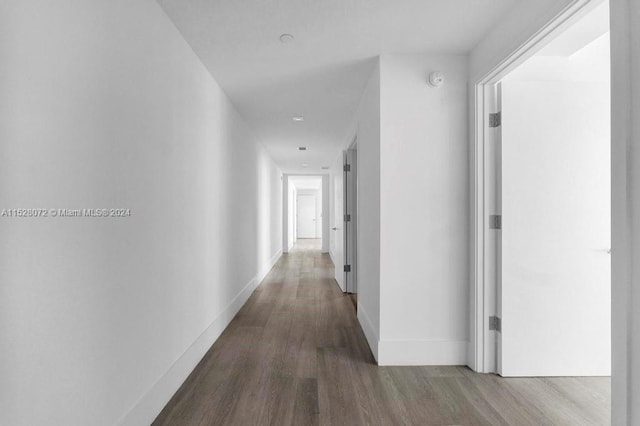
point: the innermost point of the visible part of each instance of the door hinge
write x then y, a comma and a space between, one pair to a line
347, 167
495, 119
347, 268
495, 221
347, 218
495, 323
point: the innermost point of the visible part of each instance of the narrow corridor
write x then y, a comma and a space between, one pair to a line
295, 355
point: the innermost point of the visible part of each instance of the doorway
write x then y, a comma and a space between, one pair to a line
543, 225
305, 199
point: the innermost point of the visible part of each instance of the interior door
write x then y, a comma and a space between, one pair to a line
338, 240
351, 218
306, 216
555, 266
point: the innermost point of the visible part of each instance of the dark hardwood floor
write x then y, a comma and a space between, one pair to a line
295, 355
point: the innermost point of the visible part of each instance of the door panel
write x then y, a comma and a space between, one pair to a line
306, 216
555, 292
338, 240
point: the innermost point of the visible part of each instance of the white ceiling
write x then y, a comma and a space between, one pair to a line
579, 54
590, 64
580, 34
322, 73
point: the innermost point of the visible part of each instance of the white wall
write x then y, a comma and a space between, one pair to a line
103, 104
412, 276
625, 161
366, 125
423, 201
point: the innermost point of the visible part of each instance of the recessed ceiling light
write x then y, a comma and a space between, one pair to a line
302, 148
286, 38
324, 167
298, 118
305, 165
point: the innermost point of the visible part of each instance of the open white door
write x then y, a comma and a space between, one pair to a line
555, 265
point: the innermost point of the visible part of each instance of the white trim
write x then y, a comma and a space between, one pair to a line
285, 213
625, 139
470, 356
477, 362
333, 259
266, 268
557, 24
369, 330
422, 352
147, 408
350, 229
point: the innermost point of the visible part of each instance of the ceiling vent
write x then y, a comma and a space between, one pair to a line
302, 148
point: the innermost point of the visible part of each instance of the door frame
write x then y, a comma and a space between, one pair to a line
482, 357
350, 207
285, 209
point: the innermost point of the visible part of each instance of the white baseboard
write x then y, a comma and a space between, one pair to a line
412, 352
338, 276
153, 401
471, 357
422, 352
369, 331
266, 268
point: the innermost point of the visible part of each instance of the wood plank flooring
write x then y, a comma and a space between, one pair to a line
295, 355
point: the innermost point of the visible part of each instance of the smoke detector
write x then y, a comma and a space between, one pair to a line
436, 79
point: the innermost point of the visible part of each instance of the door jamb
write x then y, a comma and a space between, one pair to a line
480, 318
350, 246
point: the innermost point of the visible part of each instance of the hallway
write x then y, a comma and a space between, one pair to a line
295, 355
